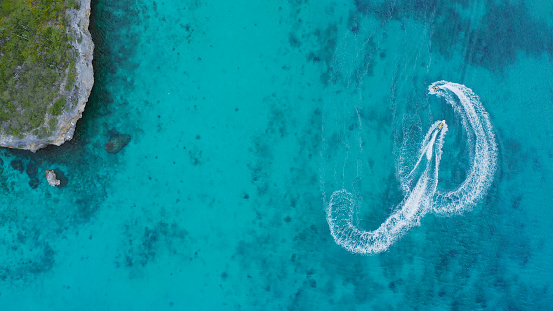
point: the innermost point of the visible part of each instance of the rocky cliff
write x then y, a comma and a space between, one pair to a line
75, 85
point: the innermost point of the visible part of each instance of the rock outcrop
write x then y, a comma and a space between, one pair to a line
52, 179
117, 141
76, 96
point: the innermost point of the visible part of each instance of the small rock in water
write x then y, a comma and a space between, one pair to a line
117, 142
32, 169
34, 182
52, 178
17, 165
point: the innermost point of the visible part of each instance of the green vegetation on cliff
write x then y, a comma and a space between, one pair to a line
37, 64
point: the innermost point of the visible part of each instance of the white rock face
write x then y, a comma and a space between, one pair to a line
80, 20
52, 178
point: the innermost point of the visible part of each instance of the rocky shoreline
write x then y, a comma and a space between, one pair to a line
84, 80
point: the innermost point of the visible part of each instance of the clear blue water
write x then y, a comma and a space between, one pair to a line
218, 201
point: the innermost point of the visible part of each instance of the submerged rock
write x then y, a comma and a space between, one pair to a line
17, 165
52, 178
117, 142
34, 182
32, 169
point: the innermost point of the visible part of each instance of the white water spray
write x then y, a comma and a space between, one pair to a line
482, 148
424, 197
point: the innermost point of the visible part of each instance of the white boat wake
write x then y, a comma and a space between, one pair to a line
424, 197
481, 143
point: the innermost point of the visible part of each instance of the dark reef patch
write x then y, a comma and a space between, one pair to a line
142, 248
32, 169
34, 182
17, 165
505, 30
115, 42
447, 34
116, 141
32, 255
324, 40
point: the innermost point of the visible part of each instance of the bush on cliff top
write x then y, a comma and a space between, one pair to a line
35, 59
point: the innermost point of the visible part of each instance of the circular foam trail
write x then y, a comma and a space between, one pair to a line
482, 148
423, 197
341, 216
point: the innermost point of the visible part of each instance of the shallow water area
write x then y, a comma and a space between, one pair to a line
244, 118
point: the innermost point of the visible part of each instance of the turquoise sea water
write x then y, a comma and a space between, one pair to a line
219, 200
